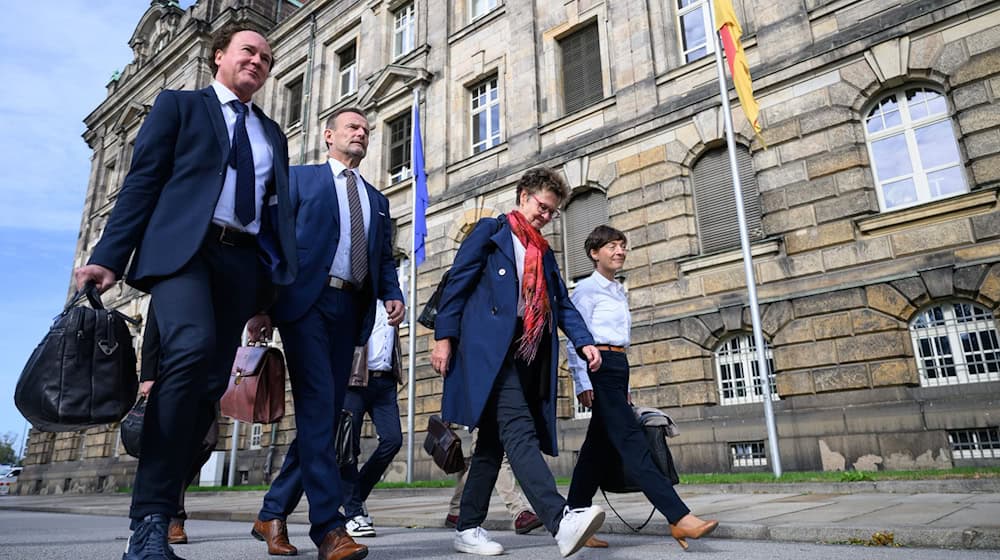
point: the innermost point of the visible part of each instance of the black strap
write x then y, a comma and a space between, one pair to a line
619, 516
89, 291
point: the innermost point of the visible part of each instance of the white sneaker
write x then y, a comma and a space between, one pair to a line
357, 526
576, 527
476, 541
364, 513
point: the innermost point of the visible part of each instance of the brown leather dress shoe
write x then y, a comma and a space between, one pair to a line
175, 532
526, 522
338, 545
594, 542
275, 534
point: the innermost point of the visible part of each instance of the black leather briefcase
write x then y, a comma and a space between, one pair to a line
82, 374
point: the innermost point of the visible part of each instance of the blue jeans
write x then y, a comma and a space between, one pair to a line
378, 400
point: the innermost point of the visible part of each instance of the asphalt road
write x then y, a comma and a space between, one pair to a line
50, 536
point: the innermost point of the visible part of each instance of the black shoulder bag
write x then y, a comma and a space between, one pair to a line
82, 374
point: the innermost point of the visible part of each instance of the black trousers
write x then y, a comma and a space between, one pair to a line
508, 425
614, 434
200, 312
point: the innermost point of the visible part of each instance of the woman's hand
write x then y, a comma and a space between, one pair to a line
441, 355
145, 387
586, 398
593, 356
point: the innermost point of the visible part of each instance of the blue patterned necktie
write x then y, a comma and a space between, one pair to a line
241, 159
359, 245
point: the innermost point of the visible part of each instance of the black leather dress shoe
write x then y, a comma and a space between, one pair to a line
149, 540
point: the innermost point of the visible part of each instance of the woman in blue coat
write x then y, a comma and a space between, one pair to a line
497, 349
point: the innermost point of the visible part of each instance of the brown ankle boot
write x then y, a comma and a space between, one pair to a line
175, 532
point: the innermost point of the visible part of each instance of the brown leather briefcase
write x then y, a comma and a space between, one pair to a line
256, 391
444, 445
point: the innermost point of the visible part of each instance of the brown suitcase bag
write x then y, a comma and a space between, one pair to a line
256, 391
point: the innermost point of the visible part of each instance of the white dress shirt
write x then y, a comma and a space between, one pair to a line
604, 307
341, 267
263, 164
382, 341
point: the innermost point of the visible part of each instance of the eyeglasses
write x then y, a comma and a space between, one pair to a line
552, 213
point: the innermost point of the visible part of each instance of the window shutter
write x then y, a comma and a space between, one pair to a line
715, 204
581, 64
584, 213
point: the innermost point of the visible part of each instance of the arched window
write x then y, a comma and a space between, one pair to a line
913, 148
584, 212
955, 343
737, 371
715, 202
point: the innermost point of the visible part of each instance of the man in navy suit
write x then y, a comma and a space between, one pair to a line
205, 217
343, 231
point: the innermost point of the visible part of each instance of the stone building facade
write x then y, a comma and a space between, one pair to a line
873, 208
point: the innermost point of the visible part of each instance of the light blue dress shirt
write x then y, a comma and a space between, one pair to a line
341, 267
603, 304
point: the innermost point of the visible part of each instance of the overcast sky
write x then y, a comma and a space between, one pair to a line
57, 59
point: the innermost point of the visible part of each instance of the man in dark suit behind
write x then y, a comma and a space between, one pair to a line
343, 231
205, 217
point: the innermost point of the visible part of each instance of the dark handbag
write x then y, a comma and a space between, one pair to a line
131, 428
256, 391
347, 453
615, 479
82, 374
429, 313
444, 445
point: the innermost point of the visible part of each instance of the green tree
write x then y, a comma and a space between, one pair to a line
8, 455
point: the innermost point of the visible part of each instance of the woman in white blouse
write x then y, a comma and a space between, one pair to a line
603, 304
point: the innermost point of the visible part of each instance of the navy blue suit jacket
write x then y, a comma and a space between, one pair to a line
317, 233
167, 200
478, 307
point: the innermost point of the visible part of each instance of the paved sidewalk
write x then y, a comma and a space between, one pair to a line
934, 513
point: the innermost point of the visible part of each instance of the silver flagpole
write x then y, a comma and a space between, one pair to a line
758, 334
412, 358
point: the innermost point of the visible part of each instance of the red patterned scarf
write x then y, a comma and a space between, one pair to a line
537, 312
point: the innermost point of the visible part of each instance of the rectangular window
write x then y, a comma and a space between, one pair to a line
399, 148
696, 30
348, 64
485, 115
110, 186
747, 454
581, 69
981, 443
256, 431
404, 30
293, 102
479, 8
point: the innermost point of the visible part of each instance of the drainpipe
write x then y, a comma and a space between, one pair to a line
307, 90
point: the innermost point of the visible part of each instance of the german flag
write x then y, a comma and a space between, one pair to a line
730, 32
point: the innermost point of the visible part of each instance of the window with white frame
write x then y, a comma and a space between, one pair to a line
256, 432
747, 454
404, 30
737, 371
399, 148
479, 8
694, 21
981, 443
956, 343
913, 148
347, 62
485, 115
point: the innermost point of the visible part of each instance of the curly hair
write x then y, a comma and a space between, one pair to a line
543, 178
224, 36
601, 236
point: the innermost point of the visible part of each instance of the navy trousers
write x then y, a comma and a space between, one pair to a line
508, 425
319, 348
614, 434
378, 400
200, 312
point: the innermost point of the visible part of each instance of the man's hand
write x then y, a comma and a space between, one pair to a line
395, 310
593, 356
586, 398
441, 355
102, 277
259, 328
145, 387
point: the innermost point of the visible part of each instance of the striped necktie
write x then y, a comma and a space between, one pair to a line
359, 245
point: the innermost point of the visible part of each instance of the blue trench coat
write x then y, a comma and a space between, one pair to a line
478, 310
